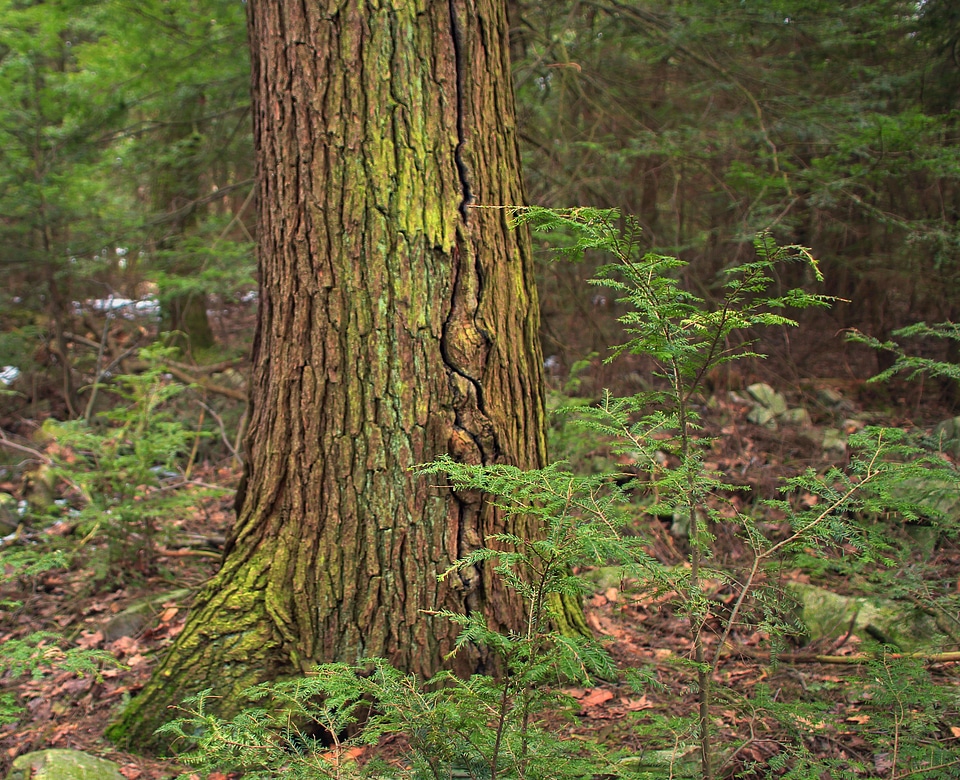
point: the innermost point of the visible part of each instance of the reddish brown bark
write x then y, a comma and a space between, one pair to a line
398, 321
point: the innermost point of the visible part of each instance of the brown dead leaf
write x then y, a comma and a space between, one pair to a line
955, 730
131, 771
344, 755
635, 705
662, 653
61, 731
168, 614
166, 630
74, 686
858, 719
88, 640
596, 697
125, 645
603, 624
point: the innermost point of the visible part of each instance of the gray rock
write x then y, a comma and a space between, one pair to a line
936, 495
796, 416
604, 577
139, 615
679, 762
830, 397
63, 765
828, 615
767, 397
761, 415
834, 442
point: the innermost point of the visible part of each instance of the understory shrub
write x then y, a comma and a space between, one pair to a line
125, 470
40, 652
490, 727
122, 485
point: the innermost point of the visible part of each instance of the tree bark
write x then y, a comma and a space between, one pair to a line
397, 322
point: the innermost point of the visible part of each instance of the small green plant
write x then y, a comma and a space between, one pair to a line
688, 338
482, 727
123, 468
913, 366
904, 711
41, 651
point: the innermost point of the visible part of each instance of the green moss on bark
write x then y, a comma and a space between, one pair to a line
396, 325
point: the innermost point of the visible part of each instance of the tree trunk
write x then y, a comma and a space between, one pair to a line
185, 316
397, 322
177, 190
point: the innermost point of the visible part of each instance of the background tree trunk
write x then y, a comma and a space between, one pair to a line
396, 323
177, 190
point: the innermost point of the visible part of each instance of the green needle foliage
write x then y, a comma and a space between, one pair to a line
124, 468
497, 726
482, 727
41, 652
913, 366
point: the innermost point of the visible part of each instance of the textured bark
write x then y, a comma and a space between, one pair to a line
397, 322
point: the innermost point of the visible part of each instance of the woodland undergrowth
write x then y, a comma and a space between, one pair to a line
125, 478
501, 727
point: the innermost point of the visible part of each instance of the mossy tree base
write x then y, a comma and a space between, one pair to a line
397, 323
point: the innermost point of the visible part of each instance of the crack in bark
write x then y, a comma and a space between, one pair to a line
465, 425
462, 169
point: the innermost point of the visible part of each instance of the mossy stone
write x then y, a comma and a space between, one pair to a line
828, 615
140, 614
63, 765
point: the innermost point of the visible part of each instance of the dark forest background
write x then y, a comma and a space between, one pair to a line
126, 164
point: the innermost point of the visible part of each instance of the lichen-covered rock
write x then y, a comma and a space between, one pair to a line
947, 435
936, 496
828, 615
796, 416
139, 615
834, 442
767, 397
682, 762
63, 765
761, 415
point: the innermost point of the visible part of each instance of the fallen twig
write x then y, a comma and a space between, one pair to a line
12, 445
223, 433
859, 658
163, 552
206, 384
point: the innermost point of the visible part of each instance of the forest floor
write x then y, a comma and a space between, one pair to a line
62, 710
